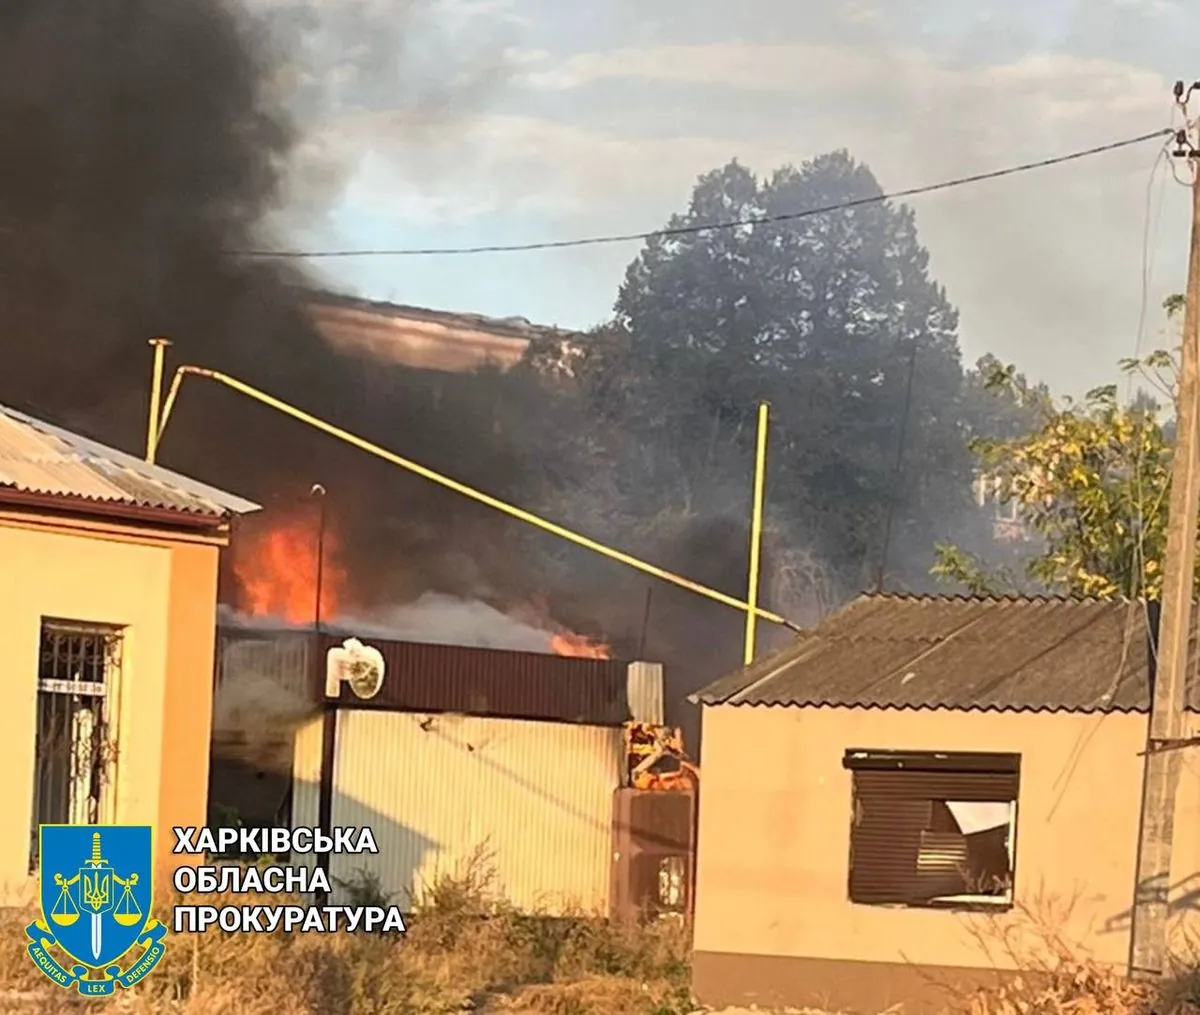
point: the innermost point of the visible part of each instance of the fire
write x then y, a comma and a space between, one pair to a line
536, 613
579, 646
277, 570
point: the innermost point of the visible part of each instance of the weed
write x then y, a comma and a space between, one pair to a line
466, 949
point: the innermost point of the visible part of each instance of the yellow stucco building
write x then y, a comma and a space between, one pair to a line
903, 801
108, 596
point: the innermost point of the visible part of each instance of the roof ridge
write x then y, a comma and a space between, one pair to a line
998, 597
520, 327
960, 651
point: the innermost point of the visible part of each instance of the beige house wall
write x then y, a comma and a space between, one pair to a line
163, 591
774, 827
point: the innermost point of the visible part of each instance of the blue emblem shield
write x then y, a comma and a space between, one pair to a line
96, 893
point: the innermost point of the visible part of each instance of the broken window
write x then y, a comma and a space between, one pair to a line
932, 829
77, 670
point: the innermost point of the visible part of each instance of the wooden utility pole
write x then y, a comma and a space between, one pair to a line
1148, 943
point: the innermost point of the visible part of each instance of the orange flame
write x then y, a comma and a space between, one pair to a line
536, 613
579, 646
277, 569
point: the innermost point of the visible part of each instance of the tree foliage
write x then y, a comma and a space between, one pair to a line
835, 320
1092, 481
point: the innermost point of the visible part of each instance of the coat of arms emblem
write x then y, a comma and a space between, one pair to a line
96, 893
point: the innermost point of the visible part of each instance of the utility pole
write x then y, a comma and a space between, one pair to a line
1148, 940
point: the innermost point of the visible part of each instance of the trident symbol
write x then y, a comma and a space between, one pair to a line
95, 891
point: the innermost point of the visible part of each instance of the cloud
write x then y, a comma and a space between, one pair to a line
438, 62
1066, 87
1045, 266
527, 165
737, 65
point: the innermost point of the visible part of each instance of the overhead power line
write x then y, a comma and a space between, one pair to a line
594, 241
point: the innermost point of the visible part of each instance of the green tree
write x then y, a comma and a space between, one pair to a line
1092, 481
826, 317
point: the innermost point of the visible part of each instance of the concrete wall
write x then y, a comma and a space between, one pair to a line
774, 826
163, 591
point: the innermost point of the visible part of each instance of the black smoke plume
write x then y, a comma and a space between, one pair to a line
143, 142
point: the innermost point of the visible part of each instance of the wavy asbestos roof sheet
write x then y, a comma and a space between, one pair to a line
979, 654
40, 458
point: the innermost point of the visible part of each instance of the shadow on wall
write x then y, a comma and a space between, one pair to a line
395, 869
1184, 901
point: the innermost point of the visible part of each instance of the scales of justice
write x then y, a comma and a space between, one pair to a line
94, 885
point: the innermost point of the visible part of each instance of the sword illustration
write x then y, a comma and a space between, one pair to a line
96, 895
97, 935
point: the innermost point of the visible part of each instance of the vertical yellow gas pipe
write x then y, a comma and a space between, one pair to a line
152, 428
760, 468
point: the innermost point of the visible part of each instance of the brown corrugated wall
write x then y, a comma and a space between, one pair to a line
495, 682
440, 678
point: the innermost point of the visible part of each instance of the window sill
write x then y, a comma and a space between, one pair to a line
955, 904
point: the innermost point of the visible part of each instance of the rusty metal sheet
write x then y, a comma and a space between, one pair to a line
432, 678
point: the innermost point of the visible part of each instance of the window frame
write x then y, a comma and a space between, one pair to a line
100, 753
944, 765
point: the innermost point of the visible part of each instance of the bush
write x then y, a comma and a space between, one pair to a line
1057, 977
465, 949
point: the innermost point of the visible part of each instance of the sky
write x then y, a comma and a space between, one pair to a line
434, 123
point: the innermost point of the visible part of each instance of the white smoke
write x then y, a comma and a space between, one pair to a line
249, 703
433, 619
256, 704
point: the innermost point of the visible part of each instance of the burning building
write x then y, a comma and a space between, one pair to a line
514, 744
141, 166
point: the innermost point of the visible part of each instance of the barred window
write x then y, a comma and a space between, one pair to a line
933, 829
73, 754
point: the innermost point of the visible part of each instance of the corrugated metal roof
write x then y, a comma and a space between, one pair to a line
39, 458
998, 654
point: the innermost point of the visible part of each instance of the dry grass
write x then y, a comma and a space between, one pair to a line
1057, 977
1077, 986
463, 952
467, 952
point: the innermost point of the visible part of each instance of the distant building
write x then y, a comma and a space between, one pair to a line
426, 339
108, 599
1007, 524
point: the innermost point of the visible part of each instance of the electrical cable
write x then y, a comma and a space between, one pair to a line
1138, 603
592, 241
